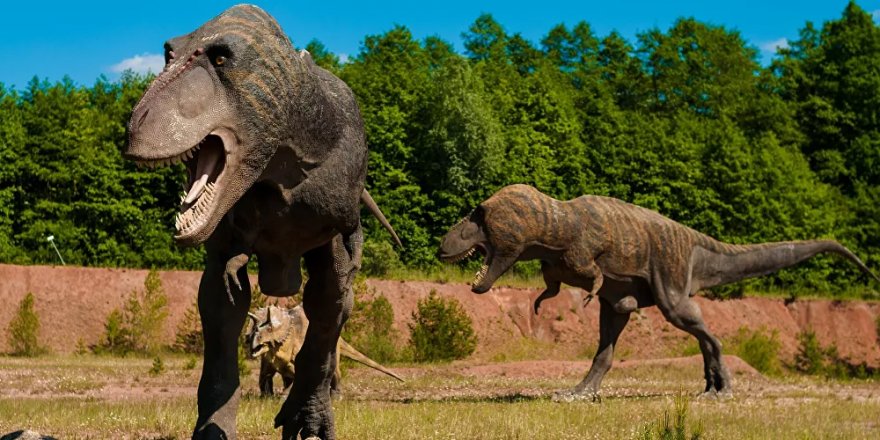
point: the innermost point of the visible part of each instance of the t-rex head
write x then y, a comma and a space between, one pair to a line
219, 107
495, 229
269, 327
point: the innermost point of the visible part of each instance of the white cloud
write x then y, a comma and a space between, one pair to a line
876, 14
343, 58
772, 46
147, 62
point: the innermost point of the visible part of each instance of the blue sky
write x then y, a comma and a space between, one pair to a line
88, 39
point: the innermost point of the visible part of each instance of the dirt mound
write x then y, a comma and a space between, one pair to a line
73, 304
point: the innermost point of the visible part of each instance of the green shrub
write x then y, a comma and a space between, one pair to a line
759, 350
667, 429
370, 328
244, 368
379, 258
191, 363
137, 328
810, 358
81, 347
691, 347
158, 367
877, 324
441, 330
258, 300
24, 329
189, 338
116, 339
813, 358
147, 311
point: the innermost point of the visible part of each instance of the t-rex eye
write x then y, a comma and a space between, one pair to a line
219, 60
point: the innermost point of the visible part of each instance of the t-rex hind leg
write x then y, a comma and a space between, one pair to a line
685, 314
327, 301
611, 324
222, 321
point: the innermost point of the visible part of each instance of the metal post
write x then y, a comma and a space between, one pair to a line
51, 239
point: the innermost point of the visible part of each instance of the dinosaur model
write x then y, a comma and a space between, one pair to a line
275, 153
629, 256
276, 335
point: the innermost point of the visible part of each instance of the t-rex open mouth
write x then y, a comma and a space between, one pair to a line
205, 164
203, 172
484, 268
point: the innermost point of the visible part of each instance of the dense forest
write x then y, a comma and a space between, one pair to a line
685, 121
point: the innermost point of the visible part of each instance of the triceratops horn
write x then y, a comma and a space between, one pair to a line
254, 317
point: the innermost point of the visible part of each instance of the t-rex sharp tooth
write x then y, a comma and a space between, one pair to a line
196, 189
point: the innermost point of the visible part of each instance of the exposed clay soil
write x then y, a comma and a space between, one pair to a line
73, 304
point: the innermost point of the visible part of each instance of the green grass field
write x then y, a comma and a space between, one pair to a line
92, 397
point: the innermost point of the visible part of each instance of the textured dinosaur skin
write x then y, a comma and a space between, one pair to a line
629, 256
275, 152
275, 336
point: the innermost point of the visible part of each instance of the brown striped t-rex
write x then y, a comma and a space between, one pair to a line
276, 334
631, 257
276, 158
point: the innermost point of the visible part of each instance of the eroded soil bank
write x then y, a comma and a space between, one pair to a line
73, 304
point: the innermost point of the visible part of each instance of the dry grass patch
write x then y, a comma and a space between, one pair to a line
106, 397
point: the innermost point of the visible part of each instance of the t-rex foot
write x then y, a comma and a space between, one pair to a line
311, 420
573, 395
713, 394
335, 394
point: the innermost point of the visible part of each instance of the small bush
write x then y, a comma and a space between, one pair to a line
759, 350
137, 328
190, 363
158, 367
244, 368
813, 358
379, 258
116, 340
691, 347
81, 347
441, 330
667, 429
146, 312
877, 324
258, 300
370, 328
810, 358
24, 329
189, 338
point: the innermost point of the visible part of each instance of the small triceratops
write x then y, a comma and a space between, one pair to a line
276, 336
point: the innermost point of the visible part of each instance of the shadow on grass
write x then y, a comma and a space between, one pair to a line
521, 398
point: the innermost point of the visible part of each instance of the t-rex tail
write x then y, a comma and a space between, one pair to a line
374, 209
721, 263
350, 352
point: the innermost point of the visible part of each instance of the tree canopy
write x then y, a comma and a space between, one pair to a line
684, 120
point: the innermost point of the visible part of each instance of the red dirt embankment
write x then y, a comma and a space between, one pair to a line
73, 304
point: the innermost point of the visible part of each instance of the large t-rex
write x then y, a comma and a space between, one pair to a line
275, 152
276, 335
629, 256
